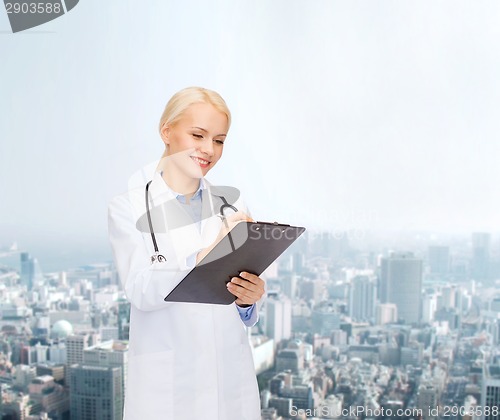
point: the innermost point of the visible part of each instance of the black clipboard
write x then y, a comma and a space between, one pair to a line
249, 246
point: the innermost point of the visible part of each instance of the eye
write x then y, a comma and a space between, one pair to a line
198, 136
221, 142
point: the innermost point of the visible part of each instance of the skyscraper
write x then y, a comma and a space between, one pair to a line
429, 306
480, 255
289, 285
325, 319
439, 260
401, 284
74, 352
278, 319
427, 397
96, 392
27, 270
362, 297
490, 392
298, 262
123, 319
111, 353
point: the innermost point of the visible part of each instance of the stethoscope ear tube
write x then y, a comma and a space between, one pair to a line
156, 257
222, 216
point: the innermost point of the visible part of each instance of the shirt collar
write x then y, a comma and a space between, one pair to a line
196, 196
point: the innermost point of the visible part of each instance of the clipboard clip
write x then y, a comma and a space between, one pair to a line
273, 223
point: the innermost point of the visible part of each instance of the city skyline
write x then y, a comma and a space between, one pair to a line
337, 332
53, 257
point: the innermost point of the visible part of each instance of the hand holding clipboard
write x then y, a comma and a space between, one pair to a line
247, 287
247, 246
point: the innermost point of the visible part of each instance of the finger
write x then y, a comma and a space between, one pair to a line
242, 293
254, 284
249, 287
251, 277
238, 292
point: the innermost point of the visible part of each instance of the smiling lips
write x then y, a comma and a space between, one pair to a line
201, 162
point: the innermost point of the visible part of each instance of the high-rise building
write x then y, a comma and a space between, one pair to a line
439, 260
27, 270
298, 262
283, 406
386, 313
75, 344
412, 355
278, 319
362, 298
48, 396
450, 315
325, 319
28, 355
480, 255
123, 319
401, 284
111, 353
41, 352
57, 353
109, 333
289, 285
96, 392
449, 297
289, 359
52, 369
429, 306
490, 392
427, 398
311, 290
31, 274
301, 395
269, 414
23, 376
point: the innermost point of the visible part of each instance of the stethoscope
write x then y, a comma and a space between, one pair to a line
157, 257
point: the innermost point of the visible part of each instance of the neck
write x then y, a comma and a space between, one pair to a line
179, 182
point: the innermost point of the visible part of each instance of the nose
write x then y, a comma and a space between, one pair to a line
207, 147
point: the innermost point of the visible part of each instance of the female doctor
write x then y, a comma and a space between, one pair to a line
186, 360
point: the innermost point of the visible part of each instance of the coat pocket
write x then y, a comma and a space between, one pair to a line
150, 387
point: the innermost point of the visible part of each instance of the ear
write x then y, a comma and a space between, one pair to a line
165, 133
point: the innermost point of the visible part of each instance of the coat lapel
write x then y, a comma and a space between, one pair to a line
170, 221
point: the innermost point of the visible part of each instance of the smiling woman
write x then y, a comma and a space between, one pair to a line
194, 144
186, 360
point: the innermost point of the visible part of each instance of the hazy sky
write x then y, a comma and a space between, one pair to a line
346, 114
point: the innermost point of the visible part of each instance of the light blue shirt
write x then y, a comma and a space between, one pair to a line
193, 208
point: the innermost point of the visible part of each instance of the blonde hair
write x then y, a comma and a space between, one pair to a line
183, 99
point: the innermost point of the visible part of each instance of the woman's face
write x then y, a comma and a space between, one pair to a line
195, 142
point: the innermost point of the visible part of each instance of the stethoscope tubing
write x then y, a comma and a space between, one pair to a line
157, 257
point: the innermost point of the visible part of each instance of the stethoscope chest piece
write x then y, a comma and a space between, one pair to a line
157, 257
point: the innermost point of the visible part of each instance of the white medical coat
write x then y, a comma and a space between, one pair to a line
186, 360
